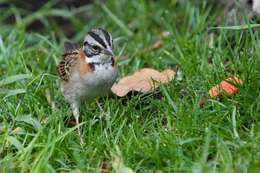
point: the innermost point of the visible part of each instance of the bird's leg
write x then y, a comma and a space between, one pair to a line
75, 110
99, 106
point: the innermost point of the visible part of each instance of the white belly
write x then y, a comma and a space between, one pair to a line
102, 75
98, 83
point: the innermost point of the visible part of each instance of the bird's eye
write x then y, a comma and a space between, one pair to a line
95, 47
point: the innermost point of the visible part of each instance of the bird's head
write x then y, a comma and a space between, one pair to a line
98, 46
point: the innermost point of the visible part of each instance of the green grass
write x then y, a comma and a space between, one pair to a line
164, 131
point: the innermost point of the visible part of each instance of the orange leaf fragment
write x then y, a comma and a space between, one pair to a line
144, 80
227, 85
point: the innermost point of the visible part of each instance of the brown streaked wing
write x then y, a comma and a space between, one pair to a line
66, 65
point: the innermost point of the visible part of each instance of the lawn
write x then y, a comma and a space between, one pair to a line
162, 131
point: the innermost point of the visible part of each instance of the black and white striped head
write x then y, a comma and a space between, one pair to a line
98, 46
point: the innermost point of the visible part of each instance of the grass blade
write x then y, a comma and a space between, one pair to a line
14, 92
14, 78
117, 21
234, 122
239, 27
29, 120
16, 143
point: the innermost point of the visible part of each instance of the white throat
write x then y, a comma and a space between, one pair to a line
98, 59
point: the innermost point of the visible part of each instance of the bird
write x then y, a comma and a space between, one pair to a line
87, 72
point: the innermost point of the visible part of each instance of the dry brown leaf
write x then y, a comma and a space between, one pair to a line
144, 80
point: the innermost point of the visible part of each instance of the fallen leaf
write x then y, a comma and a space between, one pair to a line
144, 80
227, 85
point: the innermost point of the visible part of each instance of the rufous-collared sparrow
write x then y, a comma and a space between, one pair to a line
87, 72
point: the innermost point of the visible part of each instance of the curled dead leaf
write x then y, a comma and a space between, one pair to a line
144, 80
227, 85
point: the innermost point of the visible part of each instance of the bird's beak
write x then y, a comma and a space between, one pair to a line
108, 52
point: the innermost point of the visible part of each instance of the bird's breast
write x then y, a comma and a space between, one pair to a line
99, 81
103, 74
